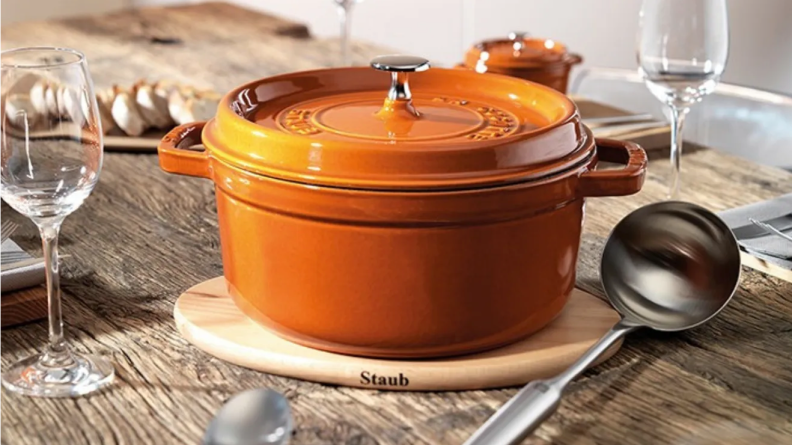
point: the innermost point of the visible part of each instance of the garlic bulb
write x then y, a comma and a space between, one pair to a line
162, 90
144, 106
51, 100
17, 109
38, 97
104, 101
154, 112
70, 105
126, 113
201, 106
60, 94
177, 100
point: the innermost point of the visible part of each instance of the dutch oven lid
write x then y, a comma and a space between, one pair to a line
399, 125
519, 51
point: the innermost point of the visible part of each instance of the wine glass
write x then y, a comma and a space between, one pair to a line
345, 19
51, 158
683, 46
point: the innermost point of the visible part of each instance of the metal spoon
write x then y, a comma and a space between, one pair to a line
252, 417
668, 266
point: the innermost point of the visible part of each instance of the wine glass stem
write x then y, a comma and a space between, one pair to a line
57, 354
677, 123
344, 16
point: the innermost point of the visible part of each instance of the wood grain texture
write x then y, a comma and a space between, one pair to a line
207, 317
23, 306
144, 236
766, 267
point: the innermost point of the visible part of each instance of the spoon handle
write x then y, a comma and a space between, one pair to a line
539, 399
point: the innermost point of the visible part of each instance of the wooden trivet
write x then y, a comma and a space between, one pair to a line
206, 316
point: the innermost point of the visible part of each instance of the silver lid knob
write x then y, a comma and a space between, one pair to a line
400, 66
518, 37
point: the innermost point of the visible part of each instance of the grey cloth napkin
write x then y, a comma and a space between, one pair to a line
763, 211
20, 277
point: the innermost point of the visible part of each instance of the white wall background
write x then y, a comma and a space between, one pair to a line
603, 31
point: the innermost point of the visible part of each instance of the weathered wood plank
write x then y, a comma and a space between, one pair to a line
23, 306
145, 236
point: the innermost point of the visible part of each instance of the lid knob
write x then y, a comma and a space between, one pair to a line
518, 37
398, 112
399, 66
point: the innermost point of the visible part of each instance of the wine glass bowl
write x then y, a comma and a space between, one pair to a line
51, 159
55, 186
681, 86
52, 148
683, 48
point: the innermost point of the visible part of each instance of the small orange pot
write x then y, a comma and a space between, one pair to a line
543, 61
441, 217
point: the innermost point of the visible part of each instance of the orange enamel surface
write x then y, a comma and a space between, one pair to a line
543, 61
403, 274
388, 270
326, 127
508, 53
174, 159
615, 182
379, 274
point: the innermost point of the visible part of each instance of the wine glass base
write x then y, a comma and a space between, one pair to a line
31, 377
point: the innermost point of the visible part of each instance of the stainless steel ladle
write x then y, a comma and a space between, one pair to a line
669, 266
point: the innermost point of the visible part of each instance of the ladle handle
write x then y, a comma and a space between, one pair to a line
539, 399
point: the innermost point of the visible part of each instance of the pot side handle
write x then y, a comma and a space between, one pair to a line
174, 156
574, 59
621, 182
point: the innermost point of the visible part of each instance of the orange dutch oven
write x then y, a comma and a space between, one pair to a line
539, 60
437, 217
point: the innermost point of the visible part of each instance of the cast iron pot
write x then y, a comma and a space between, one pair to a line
384, 223
539, 60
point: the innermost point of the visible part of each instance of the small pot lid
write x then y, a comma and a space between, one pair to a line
518, 51
396, 125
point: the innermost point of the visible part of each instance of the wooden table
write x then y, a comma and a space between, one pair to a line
144, 236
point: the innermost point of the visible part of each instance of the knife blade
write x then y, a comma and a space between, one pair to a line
621, 129
598, 122
749, 230
763, 254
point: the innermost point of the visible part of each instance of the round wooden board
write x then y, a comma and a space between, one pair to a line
207, 318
